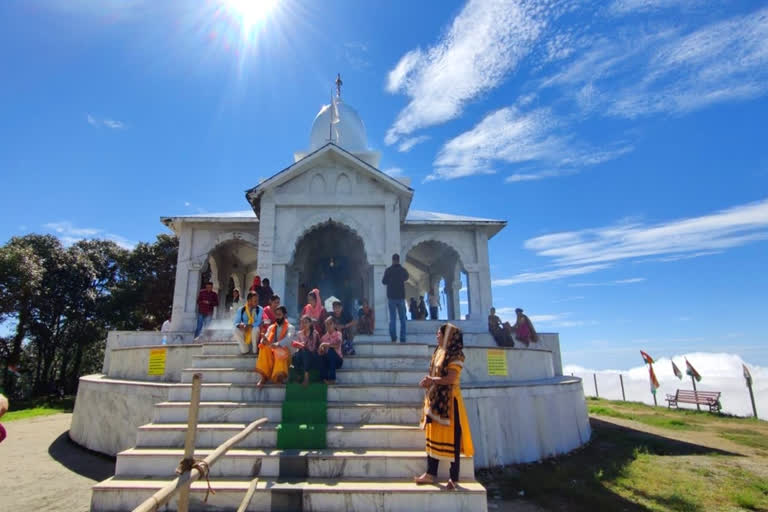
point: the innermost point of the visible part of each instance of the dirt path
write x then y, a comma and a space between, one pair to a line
42, 470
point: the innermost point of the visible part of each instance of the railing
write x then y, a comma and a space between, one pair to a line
189, 470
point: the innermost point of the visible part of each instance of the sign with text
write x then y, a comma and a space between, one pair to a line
497, 362
157, 361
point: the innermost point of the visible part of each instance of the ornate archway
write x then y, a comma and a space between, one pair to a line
330, 256
436, 267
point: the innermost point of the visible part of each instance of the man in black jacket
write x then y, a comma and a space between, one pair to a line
394, 279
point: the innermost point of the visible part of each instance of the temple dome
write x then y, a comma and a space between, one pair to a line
350, 129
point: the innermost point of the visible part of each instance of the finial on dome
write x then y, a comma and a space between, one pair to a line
338, 85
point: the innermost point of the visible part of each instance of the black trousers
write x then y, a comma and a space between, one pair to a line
432, 463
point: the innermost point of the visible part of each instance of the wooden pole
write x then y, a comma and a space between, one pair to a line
594, 376
695, 393
752, 397
189, 440
655, 404
621, 381
165, 494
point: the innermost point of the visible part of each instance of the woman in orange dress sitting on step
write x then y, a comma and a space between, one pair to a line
444, 417
274, 351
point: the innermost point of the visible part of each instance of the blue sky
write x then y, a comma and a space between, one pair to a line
625, 141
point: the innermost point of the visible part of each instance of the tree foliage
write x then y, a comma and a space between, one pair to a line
60, 302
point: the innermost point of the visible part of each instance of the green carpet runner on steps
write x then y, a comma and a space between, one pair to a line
305, 417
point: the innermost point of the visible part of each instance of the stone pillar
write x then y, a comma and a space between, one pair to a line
379, 300
184, 313
456, 296
473, 291
278, 282
483, 292
267, 242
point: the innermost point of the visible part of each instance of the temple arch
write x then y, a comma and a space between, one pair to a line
233, 256
436, 265
330, 256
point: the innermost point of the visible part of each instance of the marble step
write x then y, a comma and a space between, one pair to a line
245, 412
225, 392
339, 435
357, 362
123, 495
248, 463
362, 348
343, 376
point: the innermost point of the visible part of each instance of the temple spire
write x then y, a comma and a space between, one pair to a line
339, 83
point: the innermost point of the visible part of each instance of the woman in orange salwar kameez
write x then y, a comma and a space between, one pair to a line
274, 351
444, 417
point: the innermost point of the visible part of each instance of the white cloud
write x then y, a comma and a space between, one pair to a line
109, 123
356, 54
547, 320
548, 275
512, 136
407, 144
69, 234
631, 6
668, 70
733, 227
568, 299
720, 372
484, 44
395, 172
632, 280
115, 125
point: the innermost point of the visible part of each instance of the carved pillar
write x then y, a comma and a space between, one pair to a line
379, 303
184, 314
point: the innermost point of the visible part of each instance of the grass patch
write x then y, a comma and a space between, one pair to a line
647, 415
746, 437
628, 470
45, 406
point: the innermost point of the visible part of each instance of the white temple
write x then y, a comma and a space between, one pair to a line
333, 220
330, 220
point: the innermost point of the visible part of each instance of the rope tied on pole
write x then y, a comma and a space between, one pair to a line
189, 464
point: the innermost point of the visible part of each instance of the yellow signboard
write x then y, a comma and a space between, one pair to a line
497, 362
157, 361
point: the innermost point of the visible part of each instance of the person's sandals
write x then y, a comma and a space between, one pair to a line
424, 479
451, 485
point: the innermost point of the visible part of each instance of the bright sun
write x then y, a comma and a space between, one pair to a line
250, 12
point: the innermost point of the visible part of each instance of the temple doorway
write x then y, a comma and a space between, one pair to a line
330, 257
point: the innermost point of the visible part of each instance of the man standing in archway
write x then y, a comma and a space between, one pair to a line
394, 279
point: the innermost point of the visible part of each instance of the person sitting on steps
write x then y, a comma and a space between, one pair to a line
306, 343
274, 351
346, 324
330, 351
247, 320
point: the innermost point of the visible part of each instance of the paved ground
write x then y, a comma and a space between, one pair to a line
42, 470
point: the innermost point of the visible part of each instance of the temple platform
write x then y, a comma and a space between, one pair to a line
374, 445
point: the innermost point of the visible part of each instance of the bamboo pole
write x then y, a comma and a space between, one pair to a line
189, 440
165, 494
752, 397
594, 376
695, 393
621, 380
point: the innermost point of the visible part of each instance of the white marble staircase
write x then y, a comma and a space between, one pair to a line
374, 446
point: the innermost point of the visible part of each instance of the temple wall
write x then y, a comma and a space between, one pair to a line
526, 422
108, 412
132, 363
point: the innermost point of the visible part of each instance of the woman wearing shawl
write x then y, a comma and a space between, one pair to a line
315, 310
256, 286
444, 417
523, 328
274, 351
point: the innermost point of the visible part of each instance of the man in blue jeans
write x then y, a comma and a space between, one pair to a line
394, 279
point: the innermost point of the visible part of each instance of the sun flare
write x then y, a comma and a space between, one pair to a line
250, 12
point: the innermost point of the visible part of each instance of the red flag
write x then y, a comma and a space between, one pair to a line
654, 380
646, 358
677, 371
690, 370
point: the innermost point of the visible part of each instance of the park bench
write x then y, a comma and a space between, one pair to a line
709, 398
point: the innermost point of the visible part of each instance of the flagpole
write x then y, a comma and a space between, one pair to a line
695, 393
752, 397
